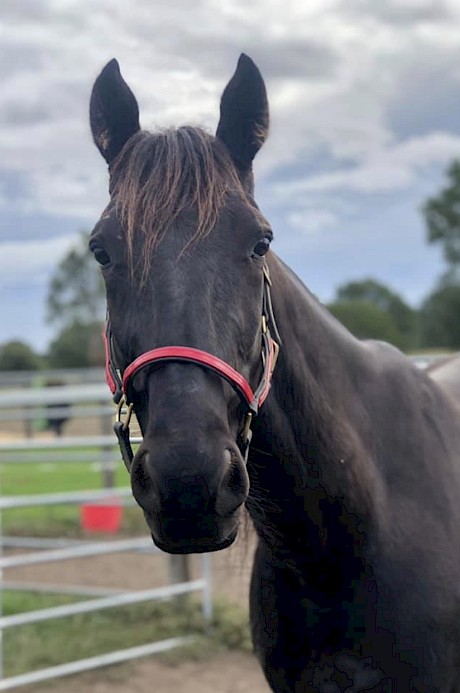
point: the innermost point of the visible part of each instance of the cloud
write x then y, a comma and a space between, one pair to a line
328, 79
184, 64
426, 90
15, 12
401, 13
312, 220
394, 168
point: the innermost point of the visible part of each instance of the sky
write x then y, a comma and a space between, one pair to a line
365, 117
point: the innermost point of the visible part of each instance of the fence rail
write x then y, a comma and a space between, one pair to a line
158, 593
84, 551
68, 394
59, 443
66, 376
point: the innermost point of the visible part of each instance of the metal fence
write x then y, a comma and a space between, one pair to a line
74, 401
82, 397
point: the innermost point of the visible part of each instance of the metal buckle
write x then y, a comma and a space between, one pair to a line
264, 324
246, 436
121, 429
129, 413
247, 426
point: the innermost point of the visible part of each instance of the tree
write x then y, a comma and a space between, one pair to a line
76, 293
78, 345
18, 356
440, 316
367, 321
442, 216
404, 317
76, 304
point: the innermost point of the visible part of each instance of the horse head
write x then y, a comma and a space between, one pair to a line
183, 251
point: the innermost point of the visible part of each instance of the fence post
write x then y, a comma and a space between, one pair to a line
179, 568
206, 595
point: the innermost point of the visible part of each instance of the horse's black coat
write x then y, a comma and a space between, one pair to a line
353, 479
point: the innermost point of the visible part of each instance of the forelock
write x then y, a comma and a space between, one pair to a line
157, 177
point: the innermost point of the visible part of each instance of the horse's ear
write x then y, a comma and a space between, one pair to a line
243, 124
113, 110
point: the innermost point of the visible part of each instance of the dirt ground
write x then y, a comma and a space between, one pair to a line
232, 672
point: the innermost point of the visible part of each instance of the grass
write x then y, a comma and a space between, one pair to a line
23, 478
67, 639
62, 520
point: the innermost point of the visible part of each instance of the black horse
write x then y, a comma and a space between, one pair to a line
353, 477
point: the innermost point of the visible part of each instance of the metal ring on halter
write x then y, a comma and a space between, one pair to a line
129, 412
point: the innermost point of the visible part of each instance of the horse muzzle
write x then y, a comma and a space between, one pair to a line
191, 499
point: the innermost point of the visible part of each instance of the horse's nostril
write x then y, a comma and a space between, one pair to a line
143, 485
234, 486
143, 479
140, 472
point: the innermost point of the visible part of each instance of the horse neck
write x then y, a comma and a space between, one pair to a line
308, 442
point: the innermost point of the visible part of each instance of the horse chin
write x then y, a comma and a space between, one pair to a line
195, 546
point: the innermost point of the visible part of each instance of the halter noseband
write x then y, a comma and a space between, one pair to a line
121, 386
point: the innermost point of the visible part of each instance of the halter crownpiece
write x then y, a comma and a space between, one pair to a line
121, 385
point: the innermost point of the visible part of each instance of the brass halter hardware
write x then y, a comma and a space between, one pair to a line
128, 413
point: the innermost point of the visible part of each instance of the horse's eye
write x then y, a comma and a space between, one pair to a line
101, 256
262, 247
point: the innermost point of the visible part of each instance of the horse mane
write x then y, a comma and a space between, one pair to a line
158, 176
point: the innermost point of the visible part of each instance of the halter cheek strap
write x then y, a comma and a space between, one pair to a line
122, 388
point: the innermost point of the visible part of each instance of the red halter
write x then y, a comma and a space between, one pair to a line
122, 388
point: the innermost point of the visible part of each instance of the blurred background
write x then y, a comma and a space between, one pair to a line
360, 179
364, 99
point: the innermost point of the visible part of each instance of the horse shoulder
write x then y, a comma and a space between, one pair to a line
417, 452
411, 400
414, 445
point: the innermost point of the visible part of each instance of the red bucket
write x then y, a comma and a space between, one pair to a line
101, 518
